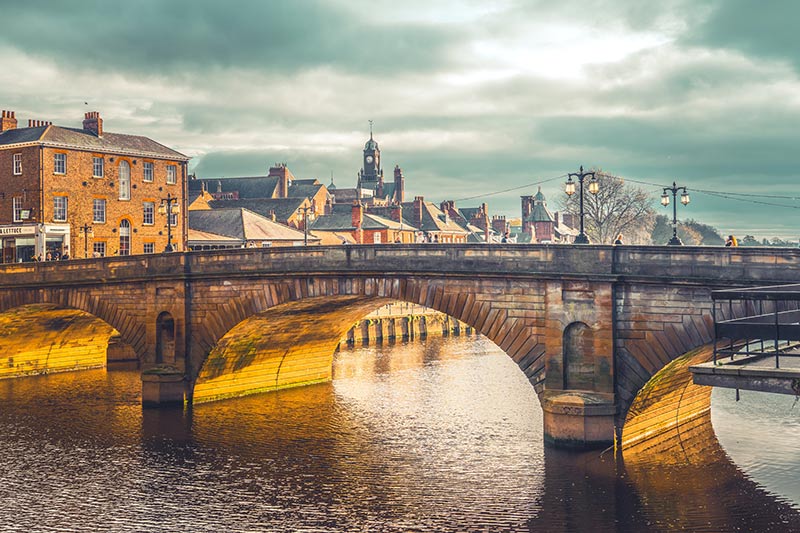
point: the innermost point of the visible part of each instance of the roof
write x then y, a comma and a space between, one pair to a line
540, 213
341, 219
195, 236
304, 189
247, 187
433, 219
283, 208
117, 143
242, 224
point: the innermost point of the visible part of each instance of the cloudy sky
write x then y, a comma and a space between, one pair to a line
468, 97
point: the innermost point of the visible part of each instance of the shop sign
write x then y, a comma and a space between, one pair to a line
16, 230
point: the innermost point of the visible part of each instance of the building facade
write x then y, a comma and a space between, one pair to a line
85, 192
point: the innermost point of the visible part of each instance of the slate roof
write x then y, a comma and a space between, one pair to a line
241, 224
247, 187
283, 208
118, 143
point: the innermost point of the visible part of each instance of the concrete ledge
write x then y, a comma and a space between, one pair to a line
744, 377
578, 419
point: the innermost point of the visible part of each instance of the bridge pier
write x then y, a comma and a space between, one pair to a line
578, 419
162, 386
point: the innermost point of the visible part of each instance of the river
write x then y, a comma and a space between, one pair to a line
441, 435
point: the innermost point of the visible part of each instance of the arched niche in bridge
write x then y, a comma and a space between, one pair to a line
578, 357
165, 339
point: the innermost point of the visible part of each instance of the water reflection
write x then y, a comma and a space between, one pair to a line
439, 436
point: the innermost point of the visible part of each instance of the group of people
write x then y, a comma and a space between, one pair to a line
55, 255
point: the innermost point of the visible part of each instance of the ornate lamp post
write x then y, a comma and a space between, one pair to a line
594, 187
169, 207
86, 229
304, 211
674, 241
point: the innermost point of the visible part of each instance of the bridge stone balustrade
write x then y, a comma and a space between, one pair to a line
589, 326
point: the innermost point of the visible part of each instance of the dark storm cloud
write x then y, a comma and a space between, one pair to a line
761, 29
171, 37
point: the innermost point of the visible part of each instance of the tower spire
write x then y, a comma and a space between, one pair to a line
370, 130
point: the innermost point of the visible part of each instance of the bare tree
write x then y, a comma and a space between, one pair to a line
616, 208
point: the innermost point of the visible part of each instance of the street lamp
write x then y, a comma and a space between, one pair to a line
594, 188
305, 211
169, 207
86, 229
674, 241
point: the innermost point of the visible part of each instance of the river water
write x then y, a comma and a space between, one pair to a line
440, 435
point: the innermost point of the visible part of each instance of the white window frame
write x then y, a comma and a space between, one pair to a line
59, 163
149, 171
124, 176
173, 219
98, 167
125, 237
16, 207
98, 210
17, 164
172, 174
151, 246
376, 238
99, 248
60, 211
148, 208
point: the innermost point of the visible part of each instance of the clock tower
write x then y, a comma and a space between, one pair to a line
371, 173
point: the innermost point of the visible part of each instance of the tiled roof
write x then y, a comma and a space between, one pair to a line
283, 208
433, 219
241, 224
85, 140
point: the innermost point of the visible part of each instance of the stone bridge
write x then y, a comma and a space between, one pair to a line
604, 334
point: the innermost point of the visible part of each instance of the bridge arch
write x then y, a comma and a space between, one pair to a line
130, 331
45, 338
237, 327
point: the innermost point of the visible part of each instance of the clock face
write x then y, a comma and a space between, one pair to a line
369, 159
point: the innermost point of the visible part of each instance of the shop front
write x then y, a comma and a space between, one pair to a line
25, 242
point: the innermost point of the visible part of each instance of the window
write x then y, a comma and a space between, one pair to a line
124, 237
97, 167
172, 173
149, 248
376, 238
148, 171
60, 209
149, 213
173, 219
99, 211
17, 209
124, 180
60, 163
99, 249
17, 164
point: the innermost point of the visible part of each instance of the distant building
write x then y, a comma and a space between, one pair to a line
371, 188
240, 228
86, 191
364, 227
539, 225
434, 224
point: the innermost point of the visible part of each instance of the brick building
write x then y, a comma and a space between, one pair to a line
85, 191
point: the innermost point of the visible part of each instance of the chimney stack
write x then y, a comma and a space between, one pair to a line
399, 185
357, 219
8, 121
93, 123
418, 200
397, 213
285, 179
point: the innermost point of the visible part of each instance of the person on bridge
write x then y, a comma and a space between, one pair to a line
618, 240
731, 241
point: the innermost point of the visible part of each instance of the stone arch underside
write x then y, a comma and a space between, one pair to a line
669, 409
44, 338
130, 330
502, 311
